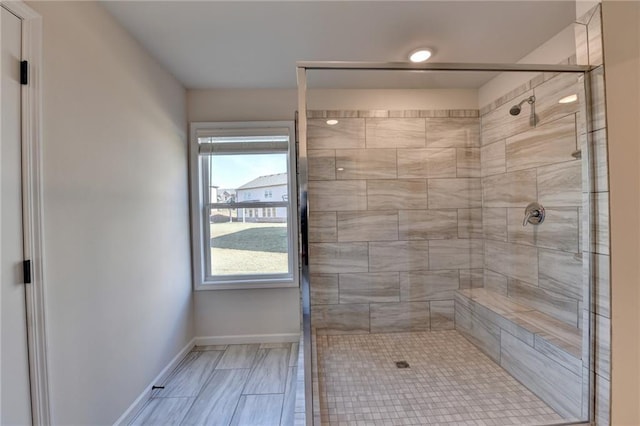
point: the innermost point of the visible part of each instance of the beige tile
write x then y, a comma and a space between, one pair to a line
340, 319
454, 193
513, 260
427, 224
324, 289
395, 256
494, 223
399, 317
321, 164
348, 133
370, 288
341, 114
546, 144
434, 113
559, 387
554, 304
337, 195
551, 91
464, 113
368, 226
442, 314
426, 163
322, 227
468, 162
428, 285
561, 272
366, 164
373, 113
330, 258
471, 278
470, 223
495, 282
515, 189
395, 133
397, 194
453, 132
560, 185
558, 231
493, 159
499, 124
582, 44
455, 254
594, 30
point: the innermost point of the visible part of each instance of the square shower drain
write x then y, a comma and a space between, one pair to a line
402, 364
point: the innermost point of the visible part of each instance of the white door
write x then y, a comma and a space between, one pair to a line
15, 399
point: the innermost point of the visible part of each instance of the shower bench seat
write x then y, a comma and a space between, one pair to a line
543, 353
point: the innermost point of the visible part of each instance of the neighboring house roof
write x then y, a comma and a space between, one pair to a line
265, 181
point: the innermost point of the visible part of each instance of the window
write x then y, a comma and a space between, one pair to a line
243, 240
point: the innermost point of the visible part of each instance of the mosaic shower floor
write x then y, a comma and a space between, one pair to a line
448, 382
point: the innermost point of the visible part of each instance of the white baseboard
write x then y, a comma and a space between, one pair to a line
247, 338
137, 405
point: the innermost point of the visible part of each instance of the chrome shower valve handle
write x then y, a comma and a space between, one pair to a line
533, 214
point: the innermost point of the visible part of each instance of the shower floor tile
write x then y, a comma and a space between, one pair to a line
448, 382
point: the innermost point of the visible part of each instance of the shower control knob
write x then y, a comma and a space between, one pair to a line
533, 214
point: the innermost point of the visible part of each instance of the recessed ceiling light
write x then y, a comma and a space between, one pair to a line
568, 99
340, 169
332, 122
420, 55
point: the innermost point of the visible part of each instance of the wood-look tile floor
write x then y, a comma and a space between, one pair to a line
250, 385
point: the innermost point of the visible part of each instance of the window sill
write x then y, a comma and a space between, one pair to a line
243, 285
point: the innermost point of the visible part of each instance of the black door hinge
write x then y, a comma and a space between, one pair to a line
26, 268
24, 72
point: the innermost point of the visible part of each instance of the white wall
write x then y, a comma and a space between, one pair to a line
277, 311
621, 35
118, 282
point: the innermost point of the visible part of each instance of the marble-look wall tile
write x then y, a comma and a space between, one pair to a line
396, 317
471, 278
328, 258
558, 355
560, 185
561, 272
600, 229
493, 159
454, 193
603, 401
582, 44
598, 139
495, 282
442, 315
546, 144
515, 189
603, 346
368, 226
348, 133
556, 305
337, 195
513, 260
494, 223
321, 164
395, 133
453, 132
482, 333
470, 223
464, 113
427, 224
396, 256
598, 106
366, 164
455, 254
427, 163
594, 31
601, 281
324, 289
559, 387
322, 227
428, 285
373, 113
551, 91
434, 113
468, 162
397, 194
558, 231
340, 319
499, 124
370, 288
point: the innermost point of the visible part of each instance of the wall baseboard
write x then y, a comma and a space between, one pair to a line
137, 405
247, 338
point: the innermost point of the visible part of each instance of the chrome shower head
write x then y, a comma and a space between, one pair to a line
515, 110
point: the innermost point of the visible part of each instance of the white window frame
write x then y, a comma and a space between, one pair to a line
199, 220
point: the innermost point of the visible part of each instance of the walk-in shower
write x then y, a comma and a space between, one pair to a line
452, 254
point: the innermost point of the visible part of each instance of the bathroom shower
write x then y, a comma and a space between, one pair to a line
516, 109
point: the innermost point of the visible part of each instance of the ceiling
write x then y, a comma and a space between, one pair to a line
242, 44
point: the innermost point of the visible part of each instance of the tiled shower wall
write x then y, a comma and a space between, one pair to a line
395, 225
